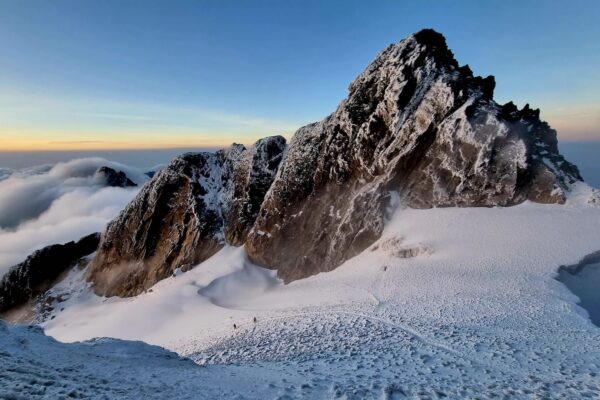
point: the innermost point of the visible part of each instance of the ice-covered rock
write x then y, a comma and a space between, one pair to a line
414, 123
253, 182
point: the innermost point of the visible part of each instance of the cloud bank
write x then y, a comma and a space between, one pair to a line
48, 204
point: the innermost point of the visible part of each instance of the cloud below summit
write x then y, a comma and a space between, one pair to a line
55, 204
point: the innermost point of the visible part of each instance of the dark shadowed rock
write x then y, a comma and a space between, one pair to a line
40, 270
183, 215
114, 178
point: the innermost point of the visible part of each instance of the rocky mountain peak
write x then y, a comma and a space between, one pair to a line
40, 270
112, 177
415, 127
416, 130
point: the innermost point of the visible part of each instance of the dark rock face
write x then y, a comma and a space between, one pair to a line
415, 127
257, 177
40, 270
183, 215
416, 130
114, 178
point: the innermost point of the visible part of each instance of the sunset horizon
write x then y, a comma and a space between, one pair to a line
88, 75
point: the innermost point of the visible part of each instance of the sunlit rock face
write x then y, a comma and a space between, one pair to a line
415, 127
183, 215
416, 130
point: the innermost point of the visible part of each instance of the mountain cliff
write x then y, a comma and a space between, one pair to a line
184, 214
416, 129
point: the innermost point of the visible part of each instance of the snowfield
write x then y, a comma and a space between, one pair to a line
450, 302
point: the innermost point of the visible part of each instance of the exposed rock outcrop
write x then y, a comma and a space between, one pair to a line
594, 199
114, 178
40, 270
583, 279
416, 129
395, 247
183, 215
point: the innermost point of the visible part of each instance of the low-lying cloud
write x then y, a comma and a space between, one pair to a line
56, 204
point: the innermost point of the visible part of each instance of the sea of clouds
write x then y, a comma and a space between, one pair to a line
51, 204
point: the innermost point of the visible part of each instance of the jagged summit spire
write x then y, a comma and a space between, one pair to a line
430, 36
405, 70
436, 43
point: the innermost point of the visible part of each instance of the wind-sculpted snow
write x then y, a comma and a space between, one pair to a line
35, 366
184, 215
308, 356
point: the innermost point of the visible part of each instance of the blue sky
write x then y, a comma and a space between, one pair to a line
122, 73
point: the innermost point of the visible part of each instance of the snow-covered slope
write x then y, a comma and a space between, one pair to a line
36, 366
474, 312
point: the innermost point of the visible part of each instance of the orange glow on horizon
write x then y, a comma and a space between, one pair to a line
568, 127
47, 145
32, 144
102, 146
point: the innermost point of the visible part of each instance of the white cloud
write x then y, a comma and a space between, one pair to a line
56, 204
